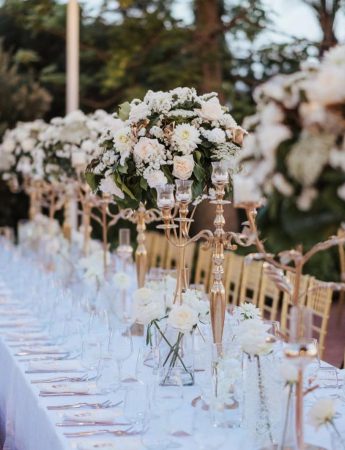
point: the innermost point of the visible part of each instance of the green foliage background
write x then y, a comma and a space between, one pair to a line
131, 46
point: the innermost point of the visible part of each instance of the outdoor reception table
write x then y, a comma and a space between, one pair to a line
29, 425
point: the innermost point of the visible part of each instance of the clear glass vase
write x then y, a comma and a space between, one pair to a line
176, 355
226, 402
288, 437
262, 399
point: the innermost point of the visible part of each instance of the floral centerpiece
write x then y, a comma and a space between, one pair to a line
261, 408
174, 325
21, 153
167, 136
295, 155
71, 142
324, 413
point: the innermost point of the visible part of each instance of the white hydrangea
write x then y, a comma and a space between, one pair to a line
139, 111
155, 178
216, 135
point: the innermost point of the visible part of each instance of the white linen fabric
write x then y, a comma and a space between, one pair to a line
29, 425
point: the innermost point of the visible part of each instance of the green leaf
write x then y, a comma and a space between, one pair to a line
91, 180
124, 110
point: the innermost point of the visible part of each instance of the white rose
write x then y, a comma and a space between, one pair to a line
145, 314
78, 158
28, 144
211, 109
155, 178
147, 149
282, 185
108, 186
183, 167
183, 318
8, 145
341, 191
122, 280
322, 412
143, 295
289, 373
305, 200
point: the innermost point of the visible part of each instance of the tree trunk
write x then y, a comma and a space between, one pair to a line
209, 38
326, 12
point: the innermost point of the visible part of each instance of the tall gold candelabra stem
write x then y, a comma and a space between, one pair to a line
217, 298
141, 251
86, 227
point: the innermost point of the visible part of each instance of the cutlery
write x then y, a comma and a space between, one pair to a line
126, 432
61, 379
66, 394
53, 371
72, 423
104, 405
33, 352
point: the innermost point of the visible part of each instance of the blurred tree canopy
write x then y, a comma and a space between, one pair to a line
130, 46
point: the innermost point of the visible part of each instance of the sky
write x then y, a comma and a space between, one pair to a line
291, 17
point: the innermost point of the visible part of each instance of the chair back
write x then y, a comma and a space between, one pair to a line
269, 297
251, 281
287, 301
172, 255
319, 300
203, 267
157, 250
233, 265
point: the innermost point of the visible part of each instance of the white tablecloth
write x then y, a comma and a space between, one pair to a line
30, 426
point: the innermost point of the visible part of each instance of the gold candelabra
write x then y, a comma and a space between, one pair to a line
140, 217
300, 353
177, 227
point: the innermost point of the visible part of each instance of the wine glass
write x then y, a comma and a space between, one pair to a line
206, 434
167, 399
106, 375
91, 352
136, 404
121, 348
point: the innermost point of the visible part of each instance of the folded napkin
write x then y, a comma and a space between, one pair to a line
70, 365
93, 415
13, 312
28, 336
78, 388
44, 349
18, 323
98, 445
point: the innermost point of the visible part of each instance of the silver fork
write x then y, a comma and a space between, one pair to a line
103, 405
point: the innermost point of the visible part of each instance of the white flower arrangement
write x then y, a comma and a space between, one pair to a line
296, 154
122, 281
21, 154
71, 142
166, 136
247, 311
323, 414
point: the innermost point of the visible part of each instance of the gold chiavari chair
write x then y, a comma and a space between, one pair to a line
251, 281
172, 254
203, 267
269, 298
149, 237
287, 301
319, 300
159, 245
233, 265
341, 248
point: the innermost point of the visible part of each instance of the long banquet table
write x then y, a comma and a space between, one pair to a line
27, 424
